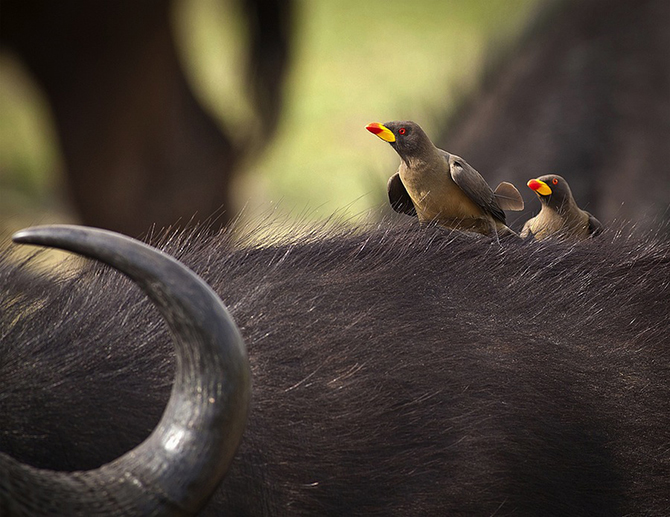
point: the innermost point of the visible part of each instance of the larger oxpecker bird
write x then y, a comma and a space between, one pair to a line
439, 187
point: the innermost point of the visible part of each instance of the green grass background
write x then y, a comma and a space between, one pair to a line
355, 62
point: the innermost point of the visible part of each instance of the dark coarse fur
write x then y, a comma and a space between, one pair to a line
397, 371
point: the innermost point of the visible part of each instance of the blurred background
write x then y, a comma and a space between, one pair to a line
130, 114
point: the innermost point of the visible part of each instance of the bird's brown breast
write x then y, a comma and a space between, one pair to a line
548, 223
437, 198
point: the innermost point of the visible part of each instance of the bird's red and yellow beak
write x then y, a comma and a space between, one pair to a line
540, 187
381, 131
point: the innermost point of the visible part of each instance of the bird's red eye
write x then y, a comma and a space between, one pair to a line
402, 131
554, 181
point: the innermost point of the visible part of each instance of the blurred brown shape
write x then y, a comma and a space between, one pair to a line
138, 148
586, 97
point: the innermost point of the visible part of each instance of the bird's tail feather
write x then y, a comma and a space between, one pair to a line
508, 197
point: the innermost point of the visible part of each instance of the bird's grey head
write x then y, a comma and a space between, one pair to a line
405, 136
553, 191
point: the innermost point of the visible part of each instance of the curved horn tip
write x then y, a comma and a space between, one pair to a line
26, 235
44, 234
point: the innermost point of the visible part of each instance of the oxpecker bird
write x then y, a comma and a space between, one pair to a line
439, 187
560, 216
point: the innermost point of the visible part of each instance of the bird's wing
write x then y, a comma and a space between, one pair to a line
595, 226
474, 186
398, 196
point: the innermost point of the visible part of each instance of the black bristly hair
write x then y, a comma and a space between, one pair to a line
396, 371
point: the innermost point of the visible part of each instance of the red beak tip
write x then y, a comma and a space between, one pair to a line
374, 128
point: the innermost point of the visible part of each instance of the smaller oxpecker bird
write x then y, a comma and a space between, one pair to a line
439, 187
560, 216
